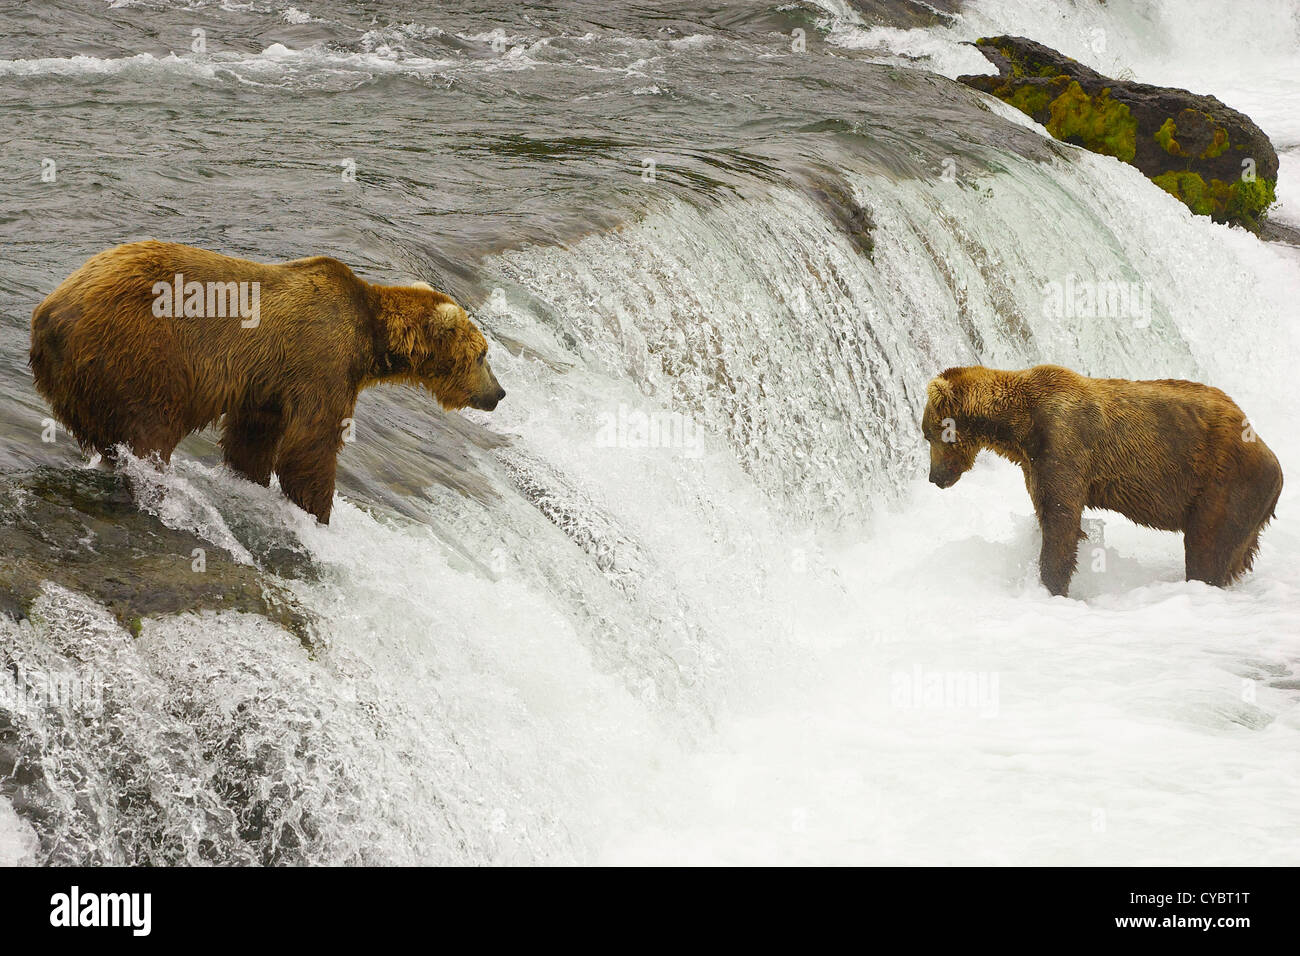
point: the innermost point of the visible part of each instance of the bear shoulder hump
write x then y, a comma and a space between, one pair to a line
321, 264
325, 271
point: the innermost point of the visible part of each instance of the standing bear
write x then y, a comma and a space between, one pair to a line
1168, 454
150, 341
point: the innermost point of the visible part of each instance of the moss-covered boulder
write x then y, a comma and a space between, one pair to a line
1213, 158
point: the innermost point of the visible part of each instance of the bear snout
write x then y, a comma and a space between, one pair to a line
488, 403
944, 479
489, 392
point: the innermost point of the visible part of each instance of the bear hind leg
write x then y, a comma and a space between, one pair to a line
1222, 533
250, 439
1243, 558
145, 430
1220, 540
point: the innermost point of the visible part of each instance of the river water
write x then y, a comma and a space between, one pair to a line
678, 597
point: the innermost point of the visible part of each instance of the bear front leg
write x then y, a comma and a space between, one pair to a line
306, 465
1060, 526
1035, 495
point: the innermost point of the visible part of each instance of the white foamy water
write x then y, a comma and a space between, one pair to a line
1120, 724
18, 841
967, 716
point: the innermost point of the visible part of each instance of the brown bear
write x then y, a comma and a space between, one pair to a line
1168, 454
150, 341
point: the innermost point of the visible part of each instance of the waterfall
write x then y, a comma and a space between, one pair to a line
689, 605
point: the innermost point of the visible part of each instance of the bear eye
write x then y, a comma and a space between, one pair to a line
482, 357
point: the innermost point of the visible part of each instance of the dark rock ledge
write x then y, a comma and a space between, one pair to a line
81, 529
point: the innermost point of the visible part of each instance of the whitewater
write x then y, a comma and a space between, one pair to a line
764, 638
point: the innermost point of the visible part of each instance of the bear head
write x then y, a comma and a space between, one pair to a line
430, 341
945, 425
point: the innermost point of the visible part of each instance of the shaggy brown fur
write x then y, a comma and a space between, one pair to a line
1167, 454
115, 372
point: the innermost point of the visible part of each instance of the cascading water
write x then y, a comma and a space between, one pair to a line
676, 598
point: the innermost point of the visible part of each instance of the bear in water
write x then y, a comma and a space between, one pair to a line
1168, 454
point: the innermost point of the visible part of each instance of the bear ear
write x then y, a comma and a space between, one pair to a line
422, 285
449, 322
940, 392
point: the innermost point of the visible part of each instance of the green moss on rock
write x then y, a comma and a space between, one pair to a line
1236, 201
1030, 99
1097, 123
1248, 201
1022, 64
1165, 137
1218, 146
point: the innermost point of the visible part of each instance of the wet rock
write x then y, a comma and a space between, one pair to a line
1274, 230
1212, 157
835, 197
81, 529
907, 16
